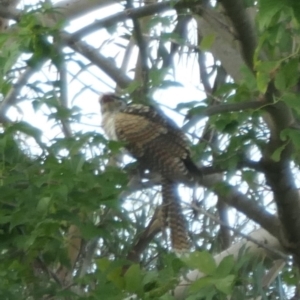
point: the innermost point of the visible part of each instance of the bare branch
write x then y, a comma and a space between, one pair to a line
98, 59
233, 197
9, 13
63, 88
226, 193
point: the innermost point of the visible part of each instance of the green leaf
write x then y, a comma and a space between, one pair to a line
207, 42
291, 134
103, 263
201, 283
267, 67
90, 231
203, 261
135, 84
197, 111
292, 100
248, 78
27, 129
207, 293
170, 83
288, 75
225, 266
133, 280
296, 8
225, 284
227, 125
265, 72
267, 10
113, 271
43, 204
263, 77
115, 146
277, 153
190, 104
249, 176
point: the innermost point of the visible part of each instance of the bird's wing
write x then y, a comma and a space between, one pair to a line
141, 124
155, 141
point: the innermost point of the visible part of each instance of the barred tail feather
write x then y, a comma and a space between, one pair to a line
175, 218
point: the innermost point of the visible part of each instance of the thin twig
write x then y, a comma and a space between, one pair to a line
143, 55
97, 59
63, 88
11, 97
47, 270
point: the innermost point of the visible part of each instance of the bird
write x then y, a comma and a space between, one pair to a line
158, 145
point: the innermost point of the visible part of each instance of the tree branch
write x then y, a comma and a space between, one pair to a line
224, 108
9, 13
244, 27
154, 227
133, 13
279, 174
225, 192
63, 88
98, 59
225, 47
71, 9
239, 201
143, 54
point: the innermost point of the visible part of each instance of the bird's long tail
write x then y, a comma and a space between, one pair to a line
174, 216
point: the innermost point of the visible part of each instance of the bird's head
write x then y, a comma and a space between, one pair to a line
111, 103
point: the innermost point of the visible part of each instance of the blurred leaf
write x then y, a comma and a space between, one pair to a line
207, 41
292, 100
112, 271
288, 75
43, 204
133, 280
169, 83
225, 284
267, 9
190, 104
201, 283
27, 129
203, 261
225, 266
263, 80
276, 155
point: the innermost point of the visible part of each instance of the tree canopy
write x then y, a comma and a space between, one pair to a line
77, 221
